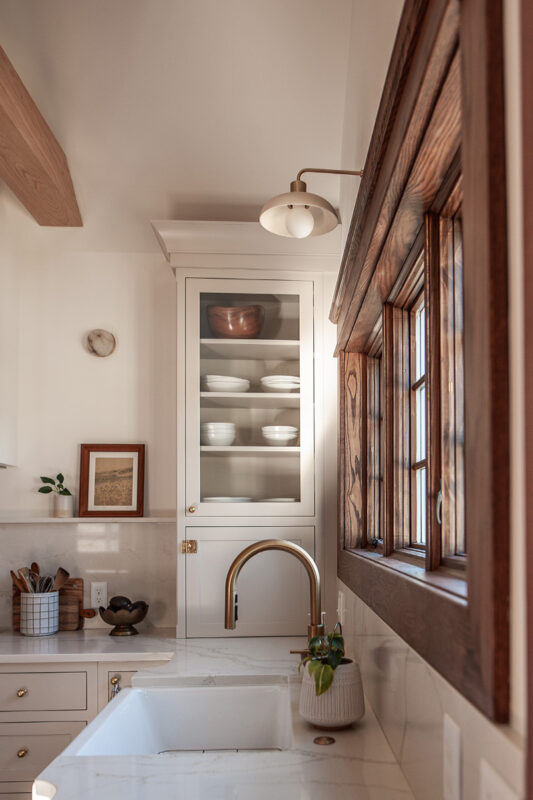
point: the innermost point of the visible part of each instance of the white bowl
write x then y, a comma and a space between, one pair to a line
222, 438
226, 499
221, 383
217, 425
282, 378
279, 429
280, 383
279, 439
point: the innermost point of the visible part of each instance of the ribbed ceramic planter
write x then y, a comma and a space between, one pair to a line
341, 705
63, 505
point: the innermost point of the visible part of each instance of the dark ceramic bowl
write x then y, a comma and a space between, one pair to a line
125, 618
244, 322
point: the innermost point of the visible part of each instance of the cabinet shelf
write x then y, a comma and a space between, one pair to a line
257, 349
249, 400
27, 520
248, 450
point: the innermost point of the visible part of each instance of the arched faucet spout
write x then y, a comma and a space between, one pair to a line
316, 628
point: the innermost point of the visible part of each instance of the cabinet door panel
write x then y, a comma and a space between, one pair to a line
273, 587
38, 742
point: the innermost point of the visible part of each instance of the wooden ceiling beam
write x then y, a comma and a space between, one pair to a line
32, 162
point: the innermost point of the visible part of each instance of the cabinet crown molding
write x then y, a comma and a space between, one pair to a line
200, 243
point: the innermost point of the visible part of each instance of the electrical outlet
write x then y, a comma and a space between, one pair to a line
492, 786
98, 594
451, 762
341, 608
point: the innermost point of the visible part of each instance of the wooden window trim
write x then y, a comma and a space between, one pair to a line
422, 121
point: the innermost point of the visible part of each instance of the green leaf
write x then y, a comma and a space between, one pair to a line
65, 492
337, 643
335, 658
48, 480
315, 642
323, 678
45, 489
313, 666
60, 478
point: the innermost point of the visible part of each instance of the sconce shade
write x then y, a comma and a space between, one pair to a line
275, 214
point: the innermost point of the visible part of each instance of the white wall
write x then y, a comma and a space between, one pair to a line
67, 396
408, 696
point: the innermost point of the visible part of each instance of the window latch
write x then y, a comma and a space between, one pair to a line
438, 505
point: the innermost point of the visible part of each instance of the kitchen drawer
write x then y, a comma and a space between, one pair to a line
43, 691
26, 748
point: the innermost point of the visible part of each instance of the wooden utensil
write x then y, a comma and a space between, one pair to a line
35, 569
24, 575
60, 579
17, 582
71, 614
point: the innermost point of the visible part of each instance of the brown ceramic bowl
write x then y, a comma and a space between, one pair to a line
125, 618
244, 322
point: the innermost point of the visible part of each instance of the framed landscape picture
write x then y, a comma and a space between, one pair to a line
112, 480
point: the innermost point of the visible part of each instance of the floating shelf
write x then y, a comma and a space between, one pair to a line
259, 349
249, 400
238, 450
82, 520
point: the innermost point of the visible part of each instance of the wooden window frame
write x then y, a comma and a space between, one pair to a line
439, 98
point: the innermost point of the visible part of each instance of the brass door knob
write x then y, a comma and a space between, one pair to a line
191, 509
22, 752
21, 692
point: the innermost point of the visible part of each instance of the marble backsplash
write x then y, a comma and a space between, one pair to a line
410, 699
135, 559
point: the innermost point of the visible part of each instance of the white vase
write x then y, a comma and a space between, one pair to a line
340, 705
63, 505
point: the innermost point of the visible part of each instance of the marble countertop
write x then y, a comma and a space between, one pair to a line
88, 645
359, 766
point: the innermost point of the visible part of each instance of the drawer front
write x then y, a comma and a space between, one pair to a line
27, 748
124, 681
43, 691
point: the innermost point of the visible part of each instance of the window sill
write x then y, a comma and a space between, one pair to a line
444, 579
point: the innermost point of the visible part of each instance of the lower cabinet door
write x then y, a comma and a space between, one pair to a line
26, 748
273, 587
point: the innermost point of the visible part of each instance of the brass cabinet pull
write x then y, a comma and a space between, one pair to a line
22, 692
192, 509
22, 752
115, 683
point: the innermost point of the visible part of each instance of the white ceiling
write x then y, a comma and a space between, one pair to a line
185, 109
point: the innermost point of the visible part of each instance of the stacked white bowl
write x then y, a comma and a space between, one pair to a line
217, 434
280, 383
225, 383
279, 435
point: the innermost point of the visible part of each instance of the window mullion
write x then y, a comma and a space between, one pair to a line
433, 382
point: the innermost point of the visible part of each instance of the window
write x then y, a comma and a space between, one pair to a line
418, 461
440, 124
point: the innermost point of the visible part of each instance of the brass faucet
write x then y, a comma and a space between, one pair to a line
317, 627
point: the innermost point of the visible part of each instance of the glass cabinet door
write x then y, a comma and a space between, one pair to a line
249, 398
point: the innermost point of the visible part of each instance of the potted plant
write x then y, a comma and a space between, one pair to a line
331, 696
63, 500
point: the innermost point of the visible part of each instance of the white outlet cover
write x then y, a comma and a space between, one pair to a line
493, 787
451, 759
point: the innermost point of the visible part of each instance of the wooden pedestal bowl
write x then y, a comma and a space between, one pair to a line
243, 322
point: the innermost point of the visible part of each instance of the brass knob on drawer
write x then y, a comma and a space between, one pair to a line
191, 509
22, 752
21, 692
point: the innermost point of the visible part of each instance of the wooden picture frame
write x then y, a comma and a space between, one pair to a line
111, 480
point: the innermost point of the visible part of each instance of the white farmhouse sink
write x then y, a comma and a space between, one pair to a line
161, 720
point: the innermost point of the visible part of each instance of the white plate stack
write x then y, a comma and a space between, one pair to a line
225, 383
217, 434
279, 435
280, 383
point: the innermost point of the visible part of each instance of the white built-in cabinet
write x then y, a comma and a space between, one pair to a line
239, 264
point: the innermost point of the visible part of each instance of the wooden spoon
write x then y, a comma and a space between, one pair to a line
24, 575
17, 582
36, 569
60, 579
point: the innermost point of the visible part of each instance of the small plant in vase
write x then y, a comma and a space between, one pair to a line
63, 500
331, 696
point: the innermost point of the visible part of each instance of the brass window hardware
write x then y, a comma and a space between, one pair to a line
192, 509
22, 752
115, 683
22, 692
189, 546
